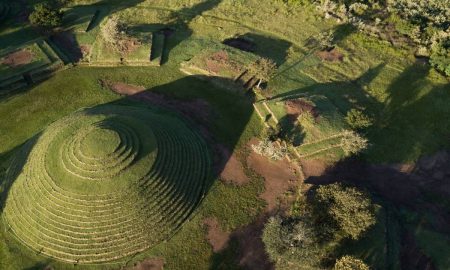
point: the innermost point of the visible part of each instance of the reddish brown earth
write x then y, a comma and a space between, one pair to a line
149, 264
332, 56
233, 172
85, 50
279, 176
313, 167
217, 238
252, 253
18, 58
298, 106
125, 89
129, 45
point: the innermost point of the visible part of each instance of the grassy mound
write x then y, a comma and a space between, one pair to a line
105, 183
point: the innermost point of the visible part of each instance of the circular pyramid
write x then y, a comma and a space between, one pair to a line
105, 183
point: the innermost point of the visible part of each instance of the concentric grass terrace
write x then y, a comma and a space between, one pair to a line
106, 182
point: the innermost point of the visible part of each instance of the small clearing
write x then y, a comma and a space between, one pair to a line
331, 56
18, 58
217, 238
149, 264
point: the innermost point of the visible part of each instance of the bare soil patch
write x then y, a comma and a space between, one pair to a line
219, 61
279, 176
298, 106
216, 237
129, 45
149, 264
233, 171
332, 56
252, 252
122, 88
18, 58
313, 167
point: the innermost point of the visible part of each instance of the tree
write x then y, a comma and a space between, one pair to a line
291, 243
263, 69
353, 143
358, 120
345, 211
45, 16
350, 263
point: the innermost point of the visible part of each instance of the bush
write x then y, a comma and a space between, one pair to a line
291, 243
358, 120
353, 143
343, 211
45, 16
350, 263
440, 56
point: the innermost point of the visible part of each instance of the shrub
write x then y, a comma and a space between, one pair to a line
344, 211
291, 243
326, 40
268, 149
440, 56
353, 143
350, 263
45, 16
358, 120
110, 31
263, 69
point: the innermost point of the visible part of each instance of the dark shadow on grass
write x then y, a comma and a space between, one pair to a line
13, 162
180, 22
261, 45
396, 190
194, 100
290, 131
413, 121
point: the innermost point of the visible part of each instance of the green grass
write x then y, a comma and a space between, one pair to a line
39, 59
70, 199
409, 101
435, 245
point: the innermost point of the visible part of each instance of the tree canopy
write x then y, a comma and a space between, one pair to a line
46, 16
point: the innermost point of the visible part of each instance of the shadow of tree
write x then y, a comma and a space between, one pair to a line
414, 119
